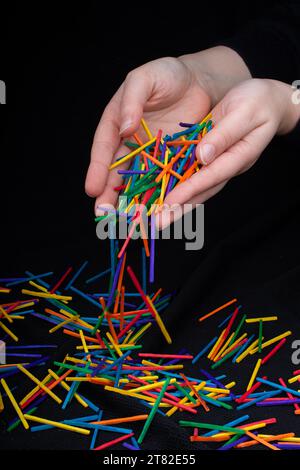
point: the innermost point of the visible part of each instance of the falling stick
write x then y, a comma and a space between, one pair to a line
204, 317
273, 351
271, 341
160, 322
216, 345
261, 319
83, 342
254, 374
152, 248
61, 280
8, 331
4, 314
122, 302
46, 295
14, 404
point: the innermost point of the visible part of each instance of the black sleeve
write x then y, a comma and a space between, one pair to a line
270, 45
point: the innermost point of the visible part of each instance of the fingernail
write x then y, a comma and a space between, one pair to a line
125, 126
207, 153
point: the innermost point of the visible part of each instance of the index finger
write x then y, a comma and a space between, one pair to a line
106, 142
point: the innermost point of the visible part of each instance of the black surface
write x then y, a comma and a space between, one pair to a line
61, 68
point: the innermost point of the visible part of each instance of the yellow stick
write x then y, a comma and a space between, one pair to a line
174, 366
185, 399
223, 348
5, 314
146, 129
258, 319
151, 386
160, 322
1, 403
9, 332
140, 332
294, 379
60, 325
46, 295
66, 387
83, 342
217, 390
56, 424
37, 286
40, 384
132, 154
34, 390
214, 348
234, 344
271, 341
247, 351
254, 374
14, 404
114, 345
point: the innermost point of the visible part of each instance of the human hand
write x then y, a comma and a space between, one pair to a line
164, 91
246, 120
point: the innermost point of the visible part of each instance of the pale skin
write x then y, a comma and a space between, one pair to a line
247, 114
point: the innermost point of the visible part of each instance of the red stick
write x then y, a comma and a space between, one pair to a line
114, 441
61, 280
273, 351
282, 382
167, 356
252, 389
140, 290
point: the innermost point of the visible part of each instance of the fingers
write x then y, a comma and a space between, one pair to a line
237, 159
109, 195
106, 142
121, 117
230, 128
137, 89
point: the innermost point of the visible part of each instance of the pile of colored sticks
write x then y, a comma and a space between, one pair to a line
156, 167
110, 355
108, 352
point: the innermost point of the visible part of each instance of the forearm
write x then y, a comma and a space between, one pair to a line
217, 69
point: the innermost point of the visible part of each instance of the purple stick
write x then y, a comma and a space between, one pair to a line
152, 249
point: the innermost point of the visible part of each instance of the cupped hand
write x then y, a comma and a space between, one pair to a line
164, 92
246, 120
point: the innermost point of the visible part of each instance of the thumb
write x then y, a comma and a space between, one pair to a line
137, 89
230, 128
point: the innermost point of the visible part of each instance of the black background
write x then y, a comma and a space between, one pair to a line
61, 64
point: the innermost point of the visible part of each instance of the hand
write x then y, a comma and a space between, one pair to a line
246, 120
164, 91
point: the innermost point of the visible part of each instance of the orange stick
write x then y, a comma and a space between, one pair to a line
129, 419
217, 310
261, 440
268, 439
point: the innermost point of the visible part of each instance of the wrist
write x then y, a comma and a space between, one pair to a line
288, 104
217, 70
